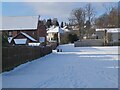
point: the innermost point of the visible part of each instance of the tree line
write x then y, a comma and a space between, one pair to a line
85, 19
54, 22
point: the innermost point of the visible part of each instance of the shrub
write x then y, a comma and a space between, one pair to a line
72, 38
4, 40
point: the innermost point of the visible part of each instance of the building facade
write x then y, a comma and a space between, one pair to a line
31, 25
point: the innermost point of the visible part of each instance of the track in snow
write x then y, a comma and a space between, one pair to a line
75, 67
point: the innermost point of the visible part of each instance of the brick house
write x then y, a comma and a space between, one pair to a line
30, 25
22, 39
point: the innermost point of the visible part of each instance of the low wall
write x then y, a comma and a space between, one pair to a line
89, 42
14, 56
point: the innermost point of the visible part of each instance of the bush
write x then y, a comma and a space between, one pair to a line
4, 40
72, 38
64, 38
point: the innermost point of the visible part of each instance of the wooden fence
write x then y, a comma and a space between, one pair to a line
14, 56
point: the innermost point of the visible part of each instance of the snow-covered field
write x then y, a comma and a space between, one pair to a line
75, 67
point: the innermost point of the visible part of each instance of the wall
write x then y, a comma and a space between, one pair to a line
14, 56
100, 34
41, 30
89, 42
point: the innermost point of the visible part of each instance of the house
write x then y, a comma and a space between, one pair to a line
22, 39
66, 29
109, 35
17, 26
54, 34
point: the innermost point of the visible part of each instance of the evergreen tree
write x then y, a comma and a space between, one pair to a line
57, 23
61, 24
49, 23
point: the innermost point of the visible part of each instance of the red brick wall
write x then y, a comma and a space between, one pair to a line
32, 33
14, 33
41, 31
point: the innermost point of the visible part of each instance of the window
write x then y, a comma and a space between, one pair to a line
41, 39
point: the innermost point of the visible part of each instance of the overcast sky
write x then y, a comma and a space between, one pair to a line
60, 10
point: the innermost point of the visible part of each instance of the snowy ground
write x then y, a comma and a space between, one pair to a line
75, 67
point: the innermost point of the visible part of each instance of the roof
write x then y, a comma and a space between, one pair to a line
28, 36
55, 30
52, 27
115, 30
19, 23
65, 29
110, 30
100, 29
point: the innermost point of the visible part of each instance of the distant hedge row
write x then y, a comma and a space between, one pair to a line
14, 56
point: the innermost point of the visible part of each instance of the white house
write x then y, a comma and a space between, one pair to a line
52, 31
110, 34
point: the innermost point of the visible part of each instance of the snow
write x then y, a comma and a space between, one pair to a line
10, 39
19, 22
75, 67
114, 30
34, 44
20, 41
103, 29
55, 30
65, 29
52, 27
28, 36
110, 30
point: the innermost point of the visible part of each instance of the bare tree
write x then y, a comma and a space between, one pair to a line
78, 18
90, 15
102, 21
108, 7
113, 17
108, 20
112, 12
90, 12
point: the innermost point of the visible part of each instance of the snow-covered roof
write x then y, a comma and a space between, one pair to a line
110, 30
28, 36
19, 22
101, 29
52, 27
93, 34
65, 29
55, 30
20, 41
115, 30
